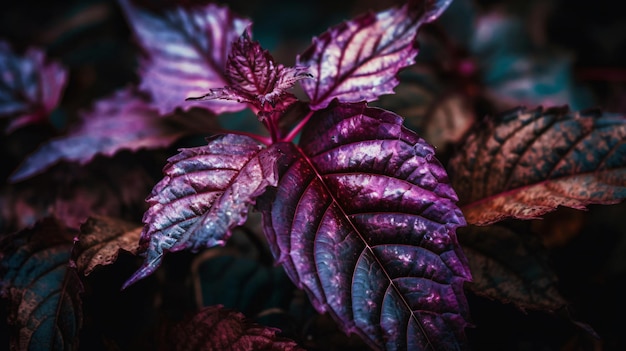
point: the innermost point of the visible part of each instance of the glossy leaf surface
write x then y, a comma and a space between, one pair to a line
100, 241
364, 221
216, 328
43, 292
122, 121
359, 59
30, 86
510, 268
525, 163
187, 51
205, 193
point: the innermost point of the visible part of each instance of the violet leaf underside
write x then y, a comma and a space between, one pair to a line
187, 51
359, 59
363, 219
206, 192
525, 163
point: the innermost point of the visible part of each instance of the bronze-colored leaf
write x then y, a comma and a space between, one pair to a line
100, 241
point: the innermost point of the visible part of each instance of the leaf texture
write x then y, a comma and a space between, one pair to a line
205, 193
359, 59
30, 87
187, 51
100, 241
45, 308
363, 219
216, 328
510, 268
525, 163
122, 121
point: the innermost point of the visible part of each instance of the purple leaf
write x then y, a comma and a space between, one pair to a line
43, 292
363, 219
206, 192
187, 49
526, 163
123, 121
216, 328
359, 59
255, 77
30, 87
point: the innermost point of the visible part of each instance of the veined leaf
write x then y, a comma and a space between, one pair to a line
30, 87
359, 59
206, 192
45, 309
510, 268
121, 121
100, 241
526, 163
363, 219
216, 328
187, 49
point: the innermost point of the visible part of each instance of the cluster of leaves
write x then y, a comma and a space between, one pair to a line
356, 208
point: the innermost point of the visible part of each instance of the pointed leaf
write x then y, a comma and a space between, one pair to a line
216, 328
122, 121
30, 87
100, 241
187, 49
45, 309
526, 163
206, 192
359, 59
510, 268
364, 221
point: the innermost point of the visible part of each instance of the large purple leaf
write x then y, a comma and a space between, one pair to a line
188, 49
525, 163
359, 59
43, 291
363, 219
122, 121
206, 192
30, 87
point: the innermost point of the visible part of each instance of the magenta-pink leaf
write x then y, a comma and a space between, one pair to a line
30, 86
187, 51
359, 59
363, 219
255, 77
205, 193
525, 163
215, 328
122, 121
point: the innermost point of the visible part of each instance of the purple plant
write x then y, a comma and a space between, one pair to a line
355, 206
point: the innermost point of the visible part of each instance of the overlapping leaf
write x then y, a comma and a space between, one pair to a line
122, 121
187, 49
206, 192
100, 241
525, 163
363, 219
216, 328
45, 308
30, 86
359, 59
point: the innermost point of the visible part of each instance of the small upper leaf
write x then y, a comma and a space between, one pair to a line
206, 192
45, 308
188, 49
215, 328
363, 219
100, 241
121, 121
30, 87
255, 77
359, 59
526, 163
